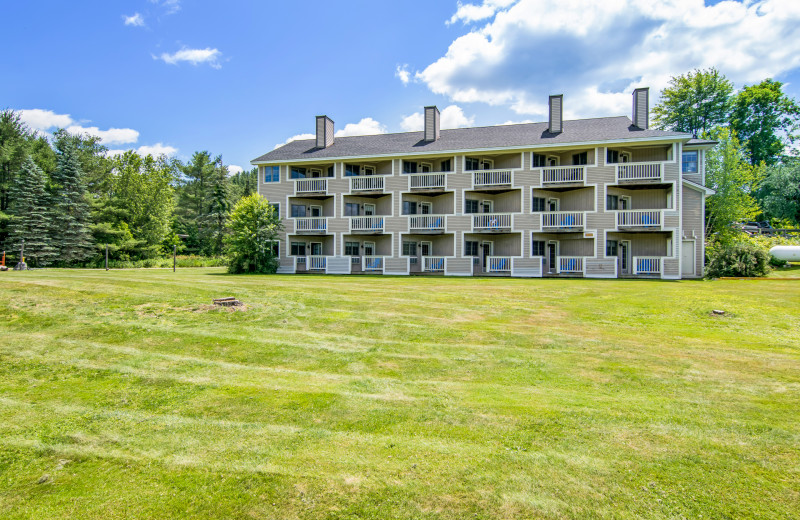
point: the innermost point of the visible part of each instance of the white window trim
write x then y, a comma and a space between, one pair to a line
374, 209
423, 244
367, 170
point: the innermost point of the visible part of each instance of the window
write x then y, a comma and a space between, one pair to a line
470, 206
425, 208
276, 207
409, 248
298, 173
611, 248
314, 173
350, 209
298, 211
315, 211
472, 163
689, 160
580, 158
445, 167
470, 248
330, 171
351, 248
539, 160
409, 208
425, 167
537, 204
552, 161
425, 248
351, 170
409, 167
272, 173
369, 209
537, 248
487, 206
276, 249
298, 249
612, 202
369, 170
612, 156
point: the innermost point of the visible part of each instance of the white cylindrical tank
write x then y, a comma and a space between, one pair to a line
788, 253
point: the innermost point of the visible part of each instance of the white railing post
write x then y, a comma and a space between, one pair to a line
433, 263
491, 177
311, 185
311, 224
316, 262
373, 224
570, 264
426, 180
563, 174
367, 183
563, 219
640, 218
646, 265
499, 264
639, 171
427, 222
372, 263
491, 221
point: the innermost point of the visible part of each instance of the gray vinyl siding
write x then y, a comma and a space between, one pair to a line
505, 244
693, 224
643, 199
575, 200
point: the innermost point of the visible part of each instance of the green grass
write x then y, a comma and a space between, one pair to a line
123, 395
790, 271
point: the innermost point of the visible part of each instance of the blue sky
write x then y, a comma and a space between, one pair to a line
236, 78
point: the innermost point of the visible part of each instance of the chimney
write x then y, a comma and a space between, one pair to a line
556, 114
324, 131
431, 124
641, 107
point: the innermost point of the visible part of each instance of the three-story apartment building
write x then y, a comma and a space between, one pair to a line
604, 198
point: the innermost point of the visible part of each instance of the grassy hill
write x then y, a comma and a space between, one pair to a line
124, 394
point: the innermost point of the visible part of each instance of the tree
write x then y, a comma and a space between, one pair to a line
244, 183
30, 217
194, 200
218, 210
70, 232
779, 193
696, 102
254, 227
735, 180
765, 119
92, 157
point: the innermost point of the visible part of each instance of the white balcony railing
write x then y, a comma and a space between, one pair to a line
427, 223
646, 265
563, 220
498, 264
492, 177
639, 218
311, 185
371, 224
311, 224
491, 221
570, 264
372, 263
426, 180
563, 174
433, 264
366, 183
316, 262
639, 171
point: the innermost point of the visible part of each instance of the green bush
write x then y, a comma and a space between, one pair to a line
739, 259
253, 239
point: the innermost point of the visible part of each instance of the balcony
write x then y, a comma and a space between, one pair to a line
367, 224
427, 223
563, 220
426, 181
498, 264
640, 219
306, 186
564, 175
372, 263
646, 265
311, 225
492, 222
316, 262
491, 178
570, 264
366, 183
433, 264
650, 171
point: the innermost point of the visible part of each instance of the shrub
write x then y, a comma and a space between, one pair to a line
739, 259
254, 227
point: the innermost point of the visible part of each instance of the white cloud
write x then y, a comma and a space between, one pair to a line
44, 120
193, 56
135, 20
110, 136
169, 6
234, 169
298, 137
450, 117
403, 73
154, 150
473, 13
366, 126
595, 53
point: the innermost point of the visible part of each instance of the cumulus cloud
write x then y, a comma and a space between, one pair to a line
194, 56
136, 20
233, 169
366, 126
110, 136
450, 117
298, 137
595, 53
155, 150
403, 73
169, 6
44, 120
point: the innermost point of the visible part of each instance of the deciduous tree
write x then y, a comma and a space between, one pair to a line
695, 102
254, 227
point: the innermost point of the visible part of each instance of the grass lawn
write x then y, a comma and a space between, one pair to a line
790, 271
123, 395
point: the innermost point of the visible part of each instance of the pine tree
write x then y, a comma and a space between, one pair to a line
71, 236
31, 218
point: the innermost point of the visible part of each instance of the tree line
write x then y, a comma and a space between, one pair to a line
755, 169
68, 199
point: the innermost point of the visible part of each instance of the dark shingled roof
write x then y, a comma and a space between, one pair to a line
696, 142
486, 137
